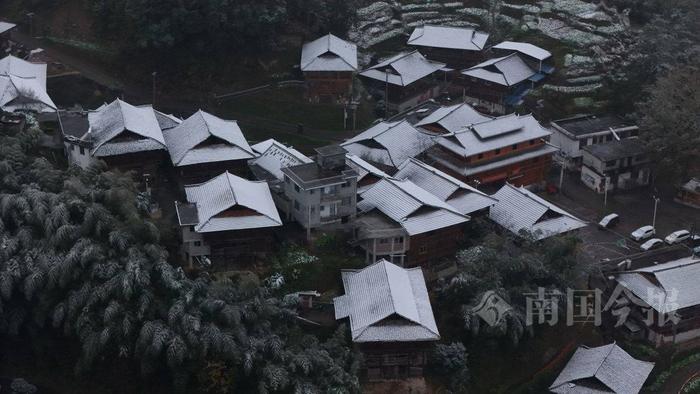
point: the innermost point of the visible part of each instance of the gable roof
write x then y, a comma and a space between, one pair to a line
120, 118
464, 198
666, 287
463, 38
329, 53
519, 209
227, 191
5, 26
403, 69
604, 369
492, 134
525, 48
23, 86
617, 149
273, 156
389, 143
454, 117
364, 171
386, 303
507, 71
185, 140
415, 209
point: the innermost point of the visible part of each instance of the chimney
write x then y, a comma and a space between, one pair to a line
331, 157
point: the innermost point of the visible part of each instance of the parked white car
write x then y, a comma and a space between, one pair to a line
677, 237
609, 221
651, 244
643, 232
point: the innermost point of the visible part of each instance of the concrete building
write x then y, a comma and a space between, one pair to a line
572, 134
323, 192
617, 165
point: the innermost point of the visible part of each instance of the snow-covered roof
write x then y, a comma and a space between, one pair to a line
603, 369
415, 209
364, 170
458, 194
273, 156
5, 26
119, 128
463, 38
403, 69
166, 121
23, 86
454, 117
329, 53
205, 138
520, 210
666, 287
693, 185
507, 71
525, 48
389, 143
492, 134
228, 202
386, 303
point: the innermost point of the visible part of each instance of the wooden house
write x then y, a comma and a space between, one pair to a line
23, 86
458, 47
6, 29
329, 64
689, 193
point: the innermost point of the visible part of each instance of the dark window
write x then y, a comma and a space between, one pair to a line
398, 240
532, 142
423, 249
296, 187
480, 156
192, 228
498, 151
515, 146
197, 243
82, 150
312, 191
384, 240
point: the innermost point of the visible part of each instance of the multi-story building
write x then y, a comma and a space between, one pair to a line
615, 165
451, 119
510, 148
323, 192
458, 47
329, 64
391, 319
572, 134
407, 78
226, 223
537, 58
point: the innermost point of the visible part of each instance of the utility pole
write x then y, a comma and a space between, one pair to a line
605, 200
386, 94
656, 202
153, 76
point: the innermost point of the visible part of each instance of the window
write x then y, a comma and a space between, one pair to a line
82, 150
532, 142
423, 249
497, 151
322, 208
344, 185
346, 201
312, 191
398, 240
480, 156
296, 205
515, 146
192, 228
384, 240
197, 243
296, 187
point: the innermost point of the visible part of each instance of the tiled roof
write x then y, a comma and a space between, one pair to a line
454, 117
118, 119
604, 369
5, 26
518, 210
205, 138
273, 156
166, 121
363, 169
507, 71
23, 86
613, 150
463, 38
226, 192
666, 287
543, 150
525, 48
693, 185
492, 134
389, 143
415, 209
329, 53
386, 303
403, 69
456, 193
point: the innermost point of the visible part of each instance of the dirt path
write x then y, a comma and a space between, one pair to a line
679, 379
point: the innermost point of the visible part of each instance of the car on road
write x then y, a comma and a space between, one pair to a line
609, 221
642, 233
651, 244
677, 237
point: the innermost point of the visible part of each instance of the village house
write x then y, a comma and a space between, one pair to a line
329, 64
537, 58
689, 193
226, 223
525, 214
391, 319
408, 78
466, 199
602, 369
510, 148
272, 157
458, 47
451, 119
407, 225
367, 174
323, 192
572, 134
497, 84
660, 301
616, 165
204, 145
23, 86
388, 144
6, 29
